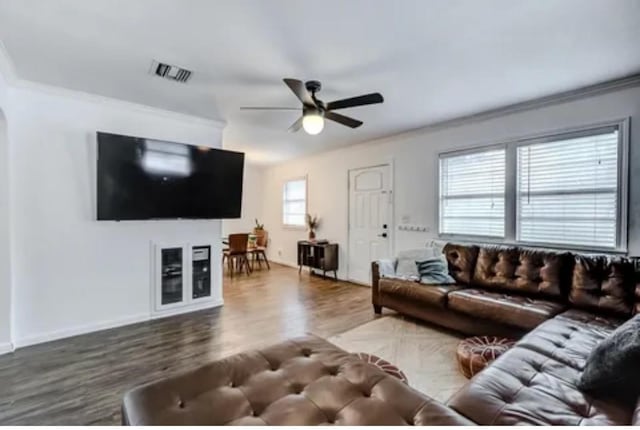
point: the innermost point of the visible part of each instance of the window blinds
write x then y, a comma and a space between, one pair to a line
294, 204
567, 190
472, 193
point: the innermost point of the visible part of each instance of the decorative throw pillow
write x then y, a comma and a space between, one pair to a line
434, 270
406, 266
387, 268
613, 367
437, 245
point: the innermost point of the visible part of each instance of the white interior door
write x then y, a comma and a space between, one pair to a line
370, 206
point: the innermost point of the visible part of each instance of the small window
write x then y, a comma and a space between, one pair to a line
294, 202
472, 193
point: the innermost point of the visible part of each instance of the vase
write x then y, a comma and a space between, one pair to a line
261, 236
312, 234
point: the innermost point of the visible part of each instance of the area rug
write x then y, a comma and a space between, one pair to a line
425, 354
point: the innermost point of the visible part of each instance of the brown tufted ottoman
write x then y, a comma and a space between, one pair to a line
304, 381
476, 353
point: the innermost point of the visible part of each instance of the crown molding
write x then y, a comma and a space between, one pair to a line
604, 87
105, 100
600, 88
7, 70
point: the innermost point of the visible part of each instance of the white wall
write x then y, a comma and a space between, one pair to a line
5, 247
71, 273
414, 156
252, 201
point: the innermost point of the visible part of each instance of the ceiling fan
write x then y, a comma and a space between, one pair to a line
315, 111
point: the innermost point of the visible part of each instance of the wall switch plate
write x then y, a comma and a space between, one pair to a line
414, 227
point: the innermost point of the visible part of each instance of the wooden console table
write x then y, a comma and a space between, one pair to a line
321, 256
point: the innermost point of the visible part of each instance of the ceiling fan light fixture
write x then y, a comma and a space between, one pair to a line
313, 123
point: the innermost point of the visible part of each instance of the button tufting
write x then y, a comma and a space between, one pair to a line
181, 404
306, 352
366, 394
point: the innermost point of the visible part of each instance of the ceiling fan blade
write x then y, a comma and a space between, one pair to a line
296, 125
344, 120
300, 90
267, 108
367, 99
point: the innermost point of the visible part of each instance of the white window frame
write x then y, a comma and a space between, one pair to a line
474, 237
306, 202
510, 206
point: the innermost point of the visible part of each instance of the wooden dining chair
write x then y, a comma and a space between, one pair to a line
259, 252
236, 255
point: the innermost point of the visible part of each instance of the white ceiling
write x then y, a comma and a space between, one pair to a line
431, 59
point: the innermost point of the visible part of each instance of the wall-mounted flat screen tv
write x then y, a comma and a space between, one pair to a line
140, 179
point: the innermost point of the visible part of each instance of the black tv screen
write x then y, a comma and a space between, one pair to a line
141, 179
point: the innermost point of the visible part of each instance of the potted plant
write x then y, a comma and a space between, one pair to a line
259, 232
312, 225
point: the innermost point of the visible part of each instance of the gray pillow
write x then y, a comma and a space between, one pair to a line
434, 270
387, 268
613, 367
406, 266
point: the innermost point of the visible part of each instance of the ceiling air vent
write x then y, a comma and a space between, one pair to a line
173, 73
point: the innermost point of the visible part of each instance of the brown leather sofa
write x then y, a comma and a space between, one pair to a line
305, 381
559, 304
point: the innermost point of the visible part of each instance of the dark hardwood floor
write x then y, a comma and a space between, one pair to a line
81, 380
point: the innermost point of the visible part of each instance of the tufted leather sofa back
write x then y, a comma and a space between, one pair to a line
462, 261
605, 284
526, 271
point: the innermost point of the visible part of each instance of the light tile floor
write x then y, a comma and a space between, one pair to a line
425, 354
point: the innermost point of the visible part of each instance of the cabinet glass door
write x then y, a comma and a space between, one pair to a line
172, 283
200, 272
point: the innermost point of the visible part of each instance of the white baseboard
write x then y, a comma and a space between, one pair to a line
77, 330
305, 269
103, 325
284, 263
187, 309
6, 347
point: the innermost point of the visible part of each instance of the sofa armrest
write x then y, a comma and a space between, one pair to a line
434, 413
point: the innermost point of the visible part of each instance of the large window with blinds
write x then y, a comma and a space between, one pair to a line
294, 202
568, 190
563, 190
472, 193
